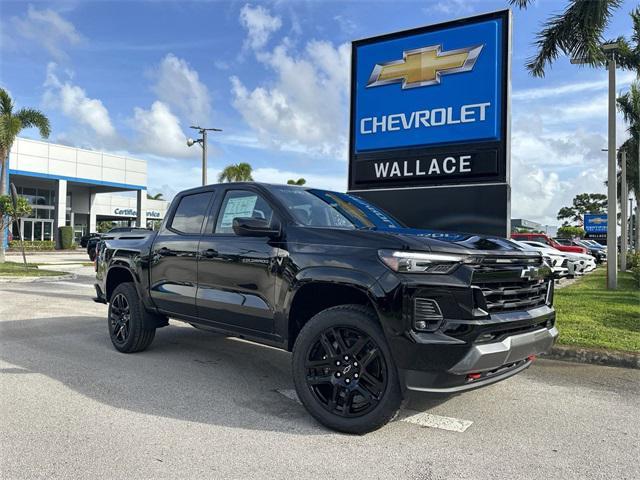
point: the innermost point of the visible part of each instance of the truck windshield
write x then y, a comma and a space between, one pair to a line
323, 208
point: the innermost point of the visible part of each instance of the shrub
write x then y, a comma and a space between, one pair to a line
34, 246
66, 237
569, 231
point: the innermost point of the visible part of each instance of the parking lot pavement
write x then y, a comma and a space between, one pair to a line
199, 405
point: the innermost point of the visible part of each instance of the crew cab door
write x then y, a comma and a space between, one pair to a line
236, 274
174, 267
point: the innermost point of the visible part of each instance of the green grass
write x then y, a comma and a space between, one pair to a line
15, 269
589, 315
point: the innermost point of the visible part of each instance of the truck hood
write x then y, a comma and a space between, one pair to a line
438, 240
410, 239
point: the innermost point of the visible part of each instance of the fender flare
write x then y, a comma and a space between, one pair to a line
346, 277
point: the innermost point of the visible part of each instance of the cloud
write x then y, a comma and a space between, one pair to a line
568, 89
305, 108
450, 7
347, 25
179, 86
274, 175
548, 168
158, 132
48, 29
260, 24
74, 103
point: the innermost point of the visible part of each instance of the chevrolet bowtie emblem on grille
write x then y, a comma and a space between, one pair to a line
530, 272
424, 66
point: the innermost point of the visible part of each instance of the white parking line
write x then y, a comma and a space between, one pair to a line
422, 419
436, 421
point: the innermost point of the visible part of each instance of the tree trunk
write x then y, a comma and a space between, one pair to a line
3, 188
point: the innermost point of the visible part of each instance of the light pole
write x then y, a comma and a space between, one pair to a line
203, 143
612, 185
623, 213
609, 49
636, 243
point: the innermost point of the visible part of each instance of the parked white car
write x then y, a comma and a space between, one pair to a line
560, 265
582, 263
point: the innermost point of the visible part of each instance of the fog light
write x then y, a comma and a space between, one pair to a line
421, 325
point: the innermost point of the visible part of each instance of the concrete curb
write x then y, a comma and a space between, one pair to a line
18, 253
594, 356
70, 276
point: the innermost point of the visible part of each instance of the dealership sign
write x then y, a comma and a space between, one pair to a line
429, 105
132, 212
595, 222
429, 112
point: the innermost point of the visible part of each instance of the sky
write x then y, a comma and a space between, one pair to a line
131, 77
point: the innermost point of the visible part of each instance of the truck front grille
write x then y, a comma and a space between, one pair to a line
507, 296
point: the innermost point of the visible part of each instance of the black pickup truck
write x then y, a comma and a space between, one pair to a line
369, 308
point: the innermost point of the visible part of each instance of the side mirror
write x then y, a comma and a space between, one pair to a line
255, 227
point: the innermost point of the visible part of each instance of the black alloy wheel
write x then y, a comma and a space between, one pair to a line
131, 327
120, 316
346, 372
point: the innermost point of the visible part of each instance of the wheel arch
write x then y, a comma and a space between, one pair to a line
326, 289
116, 275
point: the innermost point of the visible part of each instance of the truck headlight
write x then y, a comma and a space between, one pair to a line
421, 262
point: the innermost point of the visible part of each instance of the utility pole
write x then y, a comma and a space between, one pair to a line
612, 180
203, 143
623, 212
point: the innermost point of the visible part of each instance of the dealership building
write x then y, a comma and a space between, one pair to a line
78, 187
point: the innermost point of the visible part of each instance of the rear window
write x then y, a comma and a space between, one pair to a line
539, 238
190, 213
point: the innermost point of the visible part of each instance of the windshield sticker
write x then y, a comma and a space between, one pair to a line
237, 208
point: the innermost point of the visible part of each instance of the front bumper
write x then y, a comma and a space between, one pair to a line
485, 364
490, 356
492, 349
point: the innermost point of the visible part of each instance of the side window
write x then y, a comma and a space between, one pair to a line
238, 204
541, 240
190, 213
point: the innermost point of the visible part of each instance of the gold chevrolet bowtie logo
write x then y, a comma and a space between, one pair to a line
422, 67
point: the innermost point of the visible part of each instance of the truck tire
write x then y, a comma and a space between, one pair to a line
343, 370
126, 320
92, 254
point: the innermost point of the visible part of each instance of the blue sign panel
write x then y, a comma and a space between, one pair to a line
435, 87
595, 223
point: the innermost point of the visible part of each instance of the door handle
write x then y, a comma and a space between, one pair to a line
210, 253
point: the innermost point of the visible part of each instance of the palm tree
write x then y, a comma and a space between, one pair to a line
157, 196
629, 55
240, 172
299, 182
11, 124
576, 32
629, 106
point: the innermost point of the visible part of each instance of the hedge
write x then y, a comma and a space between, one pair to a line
66, 237
34, 246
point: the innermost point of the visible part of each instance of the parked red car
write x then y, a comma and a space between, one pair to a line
542, 238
